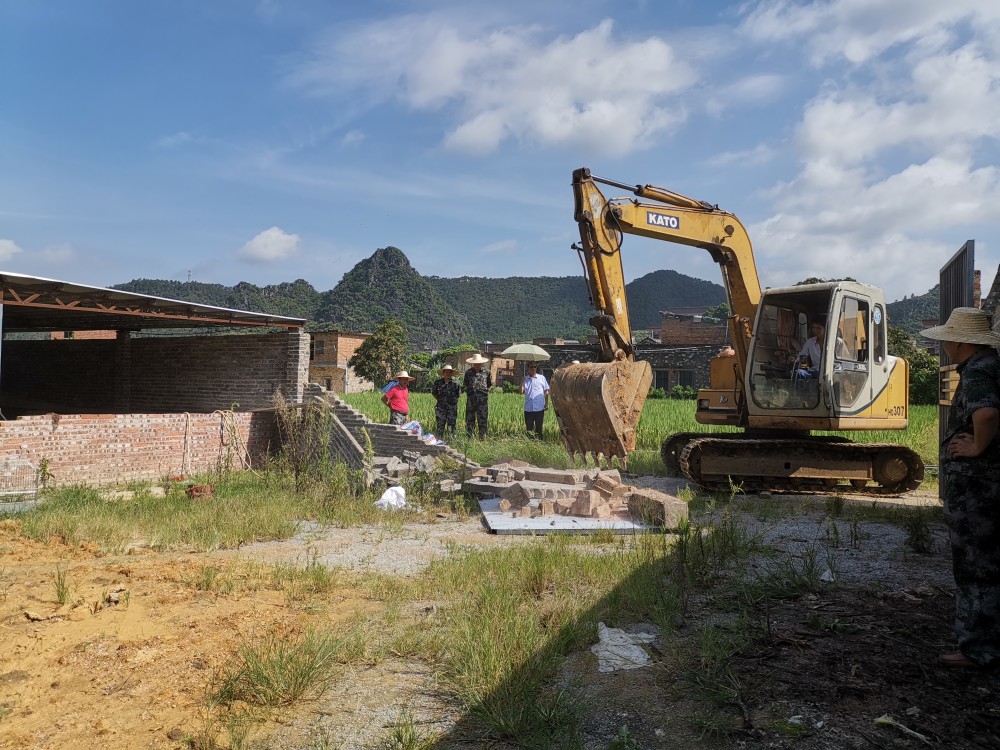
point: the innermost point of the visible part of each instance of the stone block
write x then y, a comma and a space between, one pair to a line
612, 474
605, 485
564, 505
558, 476
547, 508
601, 511
525, 512
658, 508
585, 503
504, 505
516, 495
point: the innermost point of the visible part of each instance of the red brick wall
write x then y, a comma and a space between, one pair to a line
114, 448
686, 332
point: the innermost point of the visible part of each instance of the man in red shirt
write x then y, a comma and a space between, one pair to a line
397, 398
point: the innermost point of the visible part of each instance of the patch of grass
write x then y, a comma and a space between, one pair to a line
63, 589
917, 524
403, 734
280, 670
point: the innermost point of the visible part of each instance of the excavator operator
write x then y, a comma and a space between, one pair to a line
810, 357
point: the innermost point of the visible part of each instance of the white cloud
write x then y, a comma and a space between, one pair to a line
270, 246
754, 90
896, 149
62, 254
752, 157
861, 30
886, 232
8, 249
594, 90
177, 140
352, 138
503, 246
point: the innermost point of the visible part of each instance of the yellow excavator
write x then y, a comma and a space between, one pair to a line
755, 385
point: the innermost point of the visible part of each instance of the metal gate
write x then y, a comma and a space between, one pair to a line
957, 290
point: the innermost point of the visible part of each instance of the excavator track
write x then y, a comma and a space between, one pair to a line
802, 466
673, 446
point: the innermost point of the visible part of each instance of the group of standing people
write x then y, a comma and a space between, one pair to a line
477, 384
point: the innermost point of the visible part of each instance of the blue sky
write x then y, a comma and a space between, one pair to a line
268, 141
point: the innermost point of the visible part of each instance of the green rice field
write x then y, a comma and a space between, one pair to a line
660, 418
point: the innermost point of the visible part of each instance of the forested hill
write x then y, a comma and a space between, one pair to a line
910, 312
440, 312
522, 308
387, 285
519, 309
296, 299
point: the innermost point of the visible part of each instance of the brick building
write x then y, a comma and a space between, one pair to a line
329, 352
178, 388
687, 329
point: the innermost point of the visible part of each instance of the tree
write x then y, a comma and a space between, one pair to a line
382, 353
717, 314
923, 366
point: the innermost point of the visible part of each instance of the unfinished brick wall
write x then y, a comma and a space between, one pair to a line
683, 330
156, 374
100, 449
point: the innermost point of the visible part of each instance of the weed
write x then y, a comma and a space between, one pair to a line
279, 671
835, 506
404, 735
62, 586
624, 741
833, 532
917, 524
6, 582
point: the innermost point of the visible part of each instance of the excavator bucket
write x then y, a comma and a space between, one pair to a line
598, 406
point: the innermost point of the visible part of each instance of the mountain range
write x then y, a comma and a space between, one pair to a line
439, 312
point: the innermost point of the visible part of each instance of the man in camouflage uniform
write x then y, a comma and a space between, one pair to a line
477, 387
445, 392
970, 465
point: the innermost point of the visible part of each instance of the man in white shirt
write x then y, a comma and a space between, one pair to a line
536, 400
810, 357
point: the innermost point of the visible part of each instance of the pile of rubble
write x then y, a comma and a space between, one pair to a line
527, 491
390, 470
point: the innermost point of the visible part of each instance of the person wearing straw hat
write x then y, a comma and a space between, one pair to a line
445, 392
477, 388
397, 398
970, 465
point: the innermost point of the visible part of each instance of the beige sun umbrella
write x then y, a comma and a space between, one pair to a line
525, 353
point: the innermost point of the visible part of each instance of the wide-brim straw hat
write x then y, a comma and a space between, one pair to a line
477, 359
446, 368
966, 325
402, 375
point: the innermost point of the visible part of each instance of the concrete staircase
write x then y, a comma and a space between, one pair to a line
386, 439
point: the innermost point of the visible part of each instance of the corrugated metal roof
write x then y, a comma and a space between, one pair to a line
33, 303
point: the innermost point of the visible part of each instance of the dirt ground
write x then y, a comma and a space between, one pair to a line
821, 670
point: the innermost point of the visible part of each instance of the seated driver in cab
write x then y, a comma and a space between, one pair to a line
810, 358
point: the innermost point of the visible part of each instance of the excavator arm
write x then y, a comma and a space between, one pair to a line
667, 216
598, 405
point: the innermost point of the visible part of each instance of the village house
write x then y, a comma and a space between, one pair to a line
329, 353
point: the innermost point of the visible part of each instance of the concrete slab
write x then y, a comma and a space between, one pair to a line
503, 523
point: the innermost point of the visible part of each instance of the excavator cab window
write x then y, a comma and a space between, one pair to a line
851, 348
782, 328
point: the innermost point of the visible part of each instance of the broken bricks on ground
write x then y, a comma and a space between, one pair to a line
530, 492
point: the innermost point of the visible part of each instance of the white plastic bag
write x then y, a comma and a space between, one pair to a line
618, 650
393, 498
